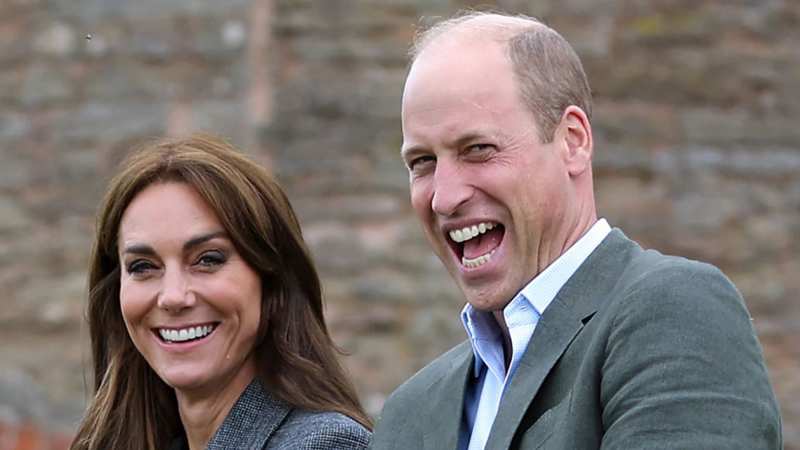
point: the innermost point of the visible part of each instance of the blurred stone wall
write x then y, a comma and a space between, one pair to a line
697, 154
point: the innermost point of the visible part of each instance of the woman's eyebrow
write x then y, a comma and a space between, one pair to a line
139, 249
144, 249
195, 241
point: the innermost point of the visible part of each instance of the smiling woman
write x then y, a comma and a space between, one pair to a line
205, 313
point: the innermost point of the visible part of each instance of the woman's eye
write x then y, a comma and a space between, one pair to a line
211, 259
140, 266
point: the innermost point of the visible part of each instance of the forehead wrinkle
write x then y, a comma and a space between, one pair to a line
435, 107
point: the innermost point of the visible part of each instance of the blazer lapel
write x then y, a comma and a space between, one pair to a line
573, 307
445, 403
251, 421
555, 330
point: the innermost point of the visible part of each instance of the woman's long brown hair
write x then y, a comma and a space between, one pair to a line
132, 407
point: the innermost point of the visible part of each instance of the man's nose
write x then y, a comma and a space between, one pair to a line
175, 295
451, 189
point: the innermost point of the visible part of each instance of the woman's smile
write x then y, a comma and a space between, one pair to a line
185, 334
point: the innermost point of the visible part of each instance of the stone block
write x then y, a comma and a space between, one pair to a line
128, 79
13, 215
620, 158
761, 162
96, 10
633, 124
705, 212
52, 302
14, 126
385, 290
20, 398
15, 172
57, 38
727, 127
15, 43
111, 122
644, 213
225, 117
350, 208
45, 84
668, 27
12, 77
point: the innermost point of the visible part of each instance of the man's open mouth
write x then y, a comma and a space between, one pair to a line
474, 245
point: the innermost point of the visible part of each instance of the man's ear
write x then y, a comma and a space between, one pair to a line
574, 133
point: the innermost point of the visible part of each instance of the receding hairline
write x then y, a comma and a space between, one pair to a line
547, 69
462, 27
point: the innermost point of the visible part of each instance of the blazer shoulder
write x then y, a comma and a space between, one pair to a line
315, 430
415, 386
398, 426
651, 270
620, 271
679, 353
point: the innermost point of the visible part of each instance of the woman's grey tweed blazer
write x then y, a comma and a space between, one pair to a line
259, 421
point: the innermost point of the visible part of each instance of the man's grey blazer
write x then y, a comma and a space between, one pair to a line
638, 350
259, 421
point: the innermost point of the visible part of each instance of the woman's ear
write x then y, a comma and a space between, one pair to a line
575, 134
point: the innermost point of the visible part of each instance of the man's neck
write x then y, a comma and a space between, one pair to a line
582, 226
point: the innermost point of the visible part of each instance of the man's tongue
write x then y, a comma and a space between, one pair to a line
483, 244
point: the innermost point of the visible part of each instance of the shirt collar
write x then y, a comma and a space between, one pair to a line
543, 289
530, 303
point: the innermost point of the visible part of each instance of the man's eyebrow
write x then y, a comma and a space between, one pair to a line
410, 150
144, 249
467, 138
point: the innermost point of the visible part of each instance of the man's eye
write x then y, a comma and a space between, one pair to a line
477, 148
420, 162
211, 259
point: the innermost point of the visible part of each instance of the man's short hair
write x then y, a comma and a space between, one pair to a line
548, 72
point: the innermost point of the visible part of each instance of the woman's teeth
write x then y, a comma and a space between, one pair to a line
185, 334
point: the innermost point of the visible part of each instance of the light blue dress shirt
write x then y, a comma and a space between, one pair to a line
483, 394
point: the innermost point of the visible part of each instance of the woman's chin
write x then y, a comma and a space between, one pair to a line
203, 380
182, 380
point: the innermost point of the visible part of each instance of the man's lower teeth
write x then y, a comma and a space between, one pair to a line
479, 261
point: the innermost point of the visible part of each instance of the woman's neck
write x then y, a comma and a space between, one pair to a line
202, 412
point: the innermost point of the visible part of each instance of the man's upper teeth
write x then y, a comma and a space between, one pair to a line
467, 233
185, 334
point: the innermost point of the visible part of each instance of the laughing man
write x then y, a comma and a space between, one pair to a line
578, 338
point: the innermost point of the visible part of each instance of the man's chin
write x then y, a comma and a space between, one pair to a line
487, 301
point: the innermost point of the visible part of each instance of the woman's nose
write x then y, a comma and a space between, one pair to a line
175, 295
